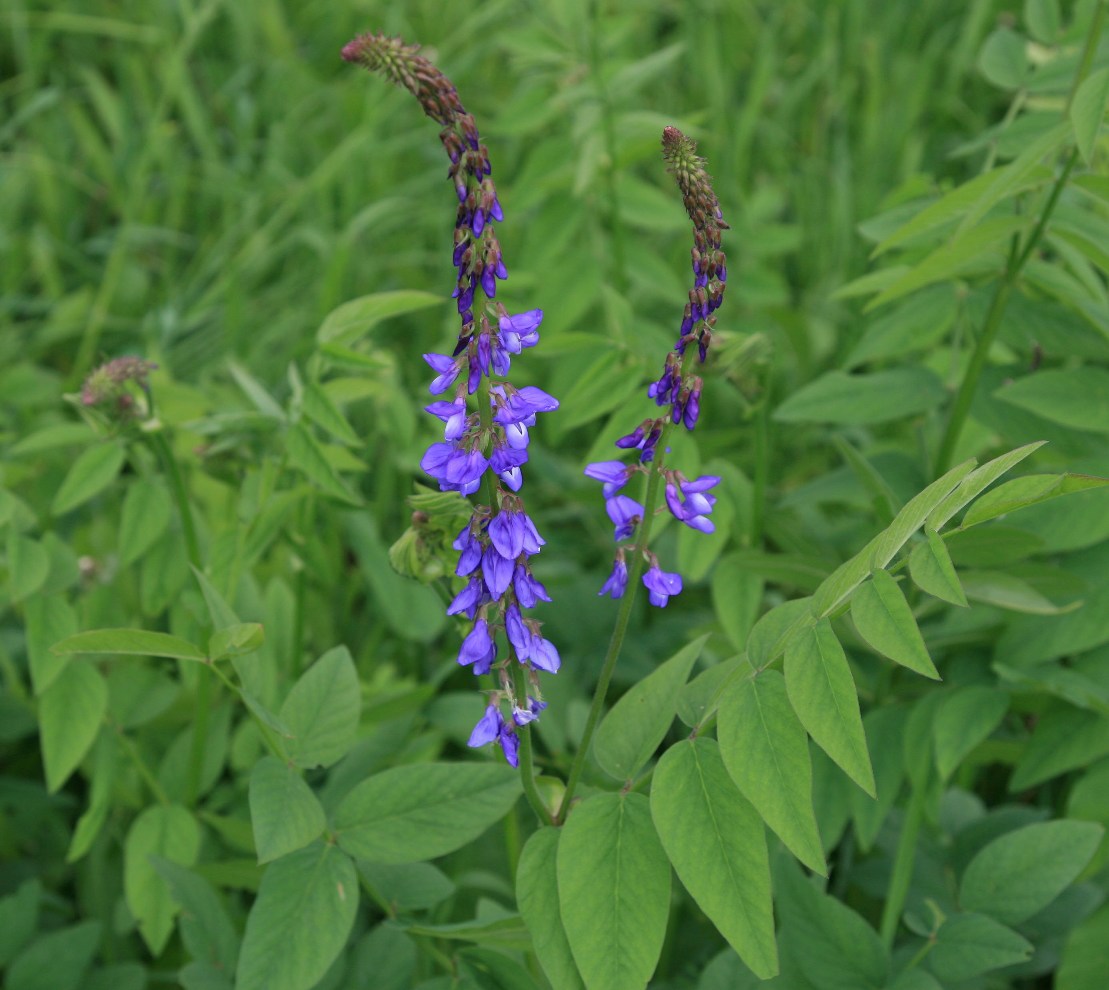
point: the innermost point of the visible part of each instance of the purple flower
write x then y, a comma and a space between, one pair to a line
507, 533
506, 462
697, 506
467, 600
661, 584
451, 413
633, 439
478, 648
525, 403
614, 474
454, 467
517, 632
527, 589
617, 581
447, 369
522, 716
497, 571
520, 331
510, 744
544, 655
488, 727
626, 513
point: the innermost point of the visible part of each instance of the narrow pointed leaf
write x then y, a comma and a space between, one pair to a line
92, 472
632, 731
822, 692
884, 619
931, 569
715, 840
131, 642
71, 711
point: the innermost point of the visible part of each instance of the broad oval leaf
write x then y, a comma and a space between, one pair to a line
715, 840
48, 618
168, 831
322, 711
766, 752
300, 921
1025, 870
411, 813
1074, 397
968, 945
638, 722
614, 891
537, 896
822, 692
70, 713
284, 812
884, 619
92, 472
147, 510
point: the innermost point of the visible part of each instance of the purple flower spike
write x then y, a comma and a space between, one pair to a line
617, 581
488, 727
519, 636
479, 222
625, 513
661, 585
528, 590
614, 474
507, 533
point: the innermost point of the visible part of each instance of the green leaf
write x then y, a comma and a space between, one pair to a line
147, 509
346, 323
102, 779
822, 692
304, 452
931, 569
408, 886
884, 619
322, 410
1002, 59
977, 482
1087, 111
300, 920
614, 891
885, 732
168, 831
206, 927
236, 641
322, 711
1082, 965
1007, 591
1029, 490
974, 249
828, 942
878, 397
766, 752
56, 961
967, 717
736, 595
537, 896
1065, 738
638, 722
770, 634
1023, 871
93, 471
968, 945
131, 642
219, 610
1073, 397
699, 698
48, 619
19, 915
605, 385
715, 840
410, 813
70, 713
1043, 19
508, 932
284, 811
384, 958
28, 566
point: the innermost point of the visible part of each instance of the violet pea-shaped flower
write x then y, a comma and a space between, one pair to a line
617, 581
614, 474
626, 513
446, 368
661, 585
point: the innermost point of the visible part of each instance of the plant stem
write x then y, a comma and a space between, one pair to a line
902, 867
969, 386
623, 617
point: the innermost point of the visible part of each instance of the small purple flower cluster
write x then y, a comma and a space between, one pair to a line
488, 445
688, 501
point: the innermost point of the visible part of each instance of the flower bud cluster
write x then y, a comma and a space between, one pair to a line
481, 446
688, 501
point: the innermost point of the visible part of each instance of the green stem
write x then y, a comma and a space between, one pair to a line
969, 386
616, 644
902, 867
140, 765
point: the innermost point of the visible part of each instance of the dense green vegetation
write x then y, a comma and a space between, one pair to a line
918, 200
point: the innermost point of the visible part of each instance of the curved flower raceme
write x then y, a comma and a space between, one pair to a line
688, 500
481, 448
